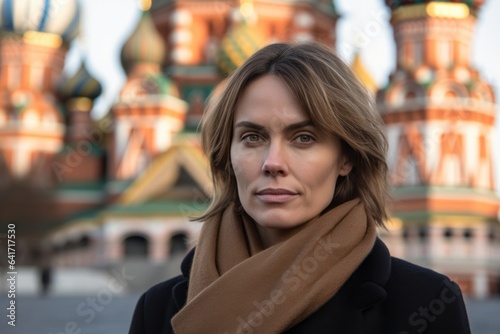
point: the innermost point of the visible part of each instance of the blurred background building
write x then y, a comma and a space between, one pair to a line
121, 189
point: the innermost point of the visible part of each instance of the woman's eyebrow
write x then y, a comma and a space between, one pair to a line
299, 125
291, 127
250, 125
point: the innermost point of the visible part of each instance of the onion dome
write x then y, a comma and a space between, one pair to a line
49, 16
241, 41
236, 47
362, 74
394, 4
145, 45
81, 84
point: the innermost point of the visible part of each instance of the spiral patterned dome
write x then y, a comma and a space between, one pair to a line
394, 4
237, 46
81, 84
51, 16
145, 45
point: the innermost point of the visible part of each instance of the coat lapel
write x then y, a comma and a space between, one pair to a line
179, 291
370, 279
368, 288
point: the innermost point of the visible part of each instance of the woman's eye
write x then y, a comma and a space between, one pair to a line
251, 138
304, 139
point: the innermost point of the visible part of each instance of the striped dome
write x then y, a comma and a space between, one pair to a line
393, 4
81, 84
238, 46
50, 16
145, 45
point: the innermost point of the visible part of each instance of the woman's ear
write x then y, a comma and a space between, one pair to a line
346, 167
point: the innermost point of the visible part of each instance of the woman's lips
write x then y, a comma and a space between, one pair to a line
275, 195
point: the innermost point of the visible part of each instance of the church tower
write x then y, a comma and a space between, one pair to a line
148, 112
80, 166
34, 40
440, 114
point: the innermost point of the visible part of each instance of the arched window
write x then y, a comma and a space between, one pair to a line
84, 241
468, 234
135, 246
450, 94
70, 245
410, 95
491, 235
423, 233
178, 244
407, 92
448, 233
444, 90
406, 233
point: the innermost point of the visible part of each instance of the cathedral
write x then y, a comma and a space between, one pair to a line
124, 188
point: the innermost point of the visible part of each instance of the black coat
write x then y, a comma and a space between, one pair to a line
384, 295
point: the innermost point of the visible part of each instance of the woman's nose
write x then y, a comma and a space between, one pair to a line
275, 162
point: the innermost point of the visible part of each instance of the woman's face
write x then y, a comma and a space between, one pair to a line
285, 167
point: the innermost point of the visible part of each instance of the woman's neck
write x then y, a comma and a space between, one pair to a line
272, 236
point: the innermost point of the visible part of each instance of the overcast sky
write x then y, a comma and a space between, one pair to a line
102, 39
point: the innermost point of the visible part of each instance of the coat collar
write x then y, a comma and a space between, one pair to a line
367, 282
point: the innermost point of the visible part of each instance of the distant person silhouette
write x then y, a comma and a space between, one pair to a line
45, 279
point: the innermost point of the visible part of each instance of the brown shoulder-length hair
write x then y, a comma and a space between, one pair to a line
335, 101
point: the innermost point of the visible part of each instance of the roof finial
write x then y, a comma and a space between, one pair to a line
247, 11
246, 8
145, 5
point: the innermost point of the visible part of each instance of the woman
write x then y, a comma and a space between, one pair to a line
297, 154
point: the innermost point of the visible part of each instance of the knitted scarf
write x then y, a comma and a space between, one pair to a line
237, 287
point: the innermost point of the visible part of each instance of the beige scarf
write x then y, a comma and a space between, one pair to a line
237, 287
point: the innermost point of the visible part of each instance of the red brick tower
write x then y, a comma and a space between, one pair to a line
440, 115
